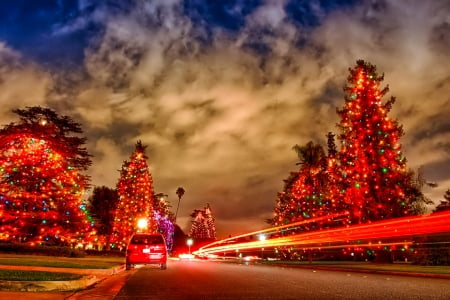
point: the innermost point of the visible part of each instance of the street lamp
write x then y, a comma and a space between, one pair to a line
142, 224
189, 242
262, 238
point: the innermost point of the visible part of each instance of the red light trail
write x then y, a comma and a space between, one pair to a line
364, 235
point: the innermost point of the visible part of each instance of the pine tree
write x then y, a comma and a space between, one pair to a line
136, 197
42, 180
203, 224
334, 191
285, 210
374, 169
445, 204
164, 219
304, 196
210, 222
198, 226
101, 205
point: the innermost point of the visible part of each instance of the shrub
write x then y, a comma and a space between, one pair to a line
41, 250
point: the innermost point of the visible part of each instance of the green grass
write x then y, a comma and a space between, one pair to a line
396, 267
16, 275
61, 262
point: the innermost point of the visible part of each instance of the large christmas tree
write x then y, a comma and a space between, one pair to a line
334, 191
41, 179
136, 197
374, 169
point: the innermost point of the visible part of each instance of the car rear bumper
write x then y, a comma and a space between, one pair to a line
146, 260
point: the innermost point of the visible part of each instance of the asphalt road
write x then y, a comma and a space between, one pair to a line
212, 280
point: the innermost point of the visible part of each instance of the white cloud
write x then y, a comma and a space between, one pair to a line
220, 120
21, 84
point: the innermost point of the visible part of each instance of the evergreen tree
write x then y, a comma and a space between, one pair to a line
378, 185
164, 219
162, 206
285, 209
101, 205
136, 197
334, 191
445, 204
304, 194
42, 180
210, 222
203, 224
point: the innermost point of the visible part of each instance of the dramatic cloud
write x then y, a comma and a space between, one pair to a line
20, 83
221, 105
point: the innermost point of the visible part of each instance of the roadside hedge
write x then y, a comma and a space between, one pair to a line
64, 251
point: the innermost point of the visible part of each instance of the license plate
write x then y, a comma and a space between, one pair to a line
145, 250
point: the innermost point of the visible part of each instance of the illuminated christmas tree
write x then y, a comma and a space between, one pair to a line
203, 224
305, 194
164, 218
41, 179
378, 186
136, 198
285, 210
334, 191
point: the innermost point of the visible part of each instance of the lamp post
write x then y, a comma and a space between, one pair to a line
189, 242
142, 224
262, 238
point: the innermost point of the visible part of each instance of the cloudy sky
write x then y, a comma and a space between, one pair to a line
220, 91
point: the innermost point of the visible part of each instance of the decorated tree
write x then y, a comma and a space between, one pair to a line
136, 197
305, 196
334, 190
285, 210
162, 206
378, 185
42, 180
164, 219
203, 224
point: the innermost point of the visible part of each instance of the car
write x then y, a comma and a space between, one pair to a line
146, 248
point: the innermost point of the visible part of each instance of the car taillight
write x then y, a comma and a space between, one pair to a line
159, 249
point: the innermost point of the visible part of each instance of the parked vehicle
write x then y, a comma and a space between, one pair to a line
145, 248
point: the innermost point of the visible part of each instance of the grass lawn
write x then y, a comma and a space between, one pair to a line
90, 262
396, 267
16, 275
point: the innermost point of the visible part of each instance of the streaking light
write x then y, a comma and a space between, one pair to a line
365, 235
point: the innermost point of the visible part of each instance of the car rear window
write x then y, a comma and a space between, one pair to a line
147, 239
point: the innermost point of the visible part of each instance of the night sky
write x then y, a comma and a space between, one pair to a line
220, 91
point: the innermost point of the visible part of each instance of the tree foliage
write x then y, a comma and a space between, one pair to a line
366, 179
101, 205
42, 179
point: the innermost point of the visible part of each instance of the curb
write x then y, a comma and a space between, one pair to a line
95, 275
47, 286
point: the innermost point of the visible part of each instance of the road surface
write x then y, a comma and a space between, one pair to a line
213, 280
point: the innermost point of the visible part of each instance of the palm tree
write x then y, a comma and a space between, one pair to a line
312, 157
180, 192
